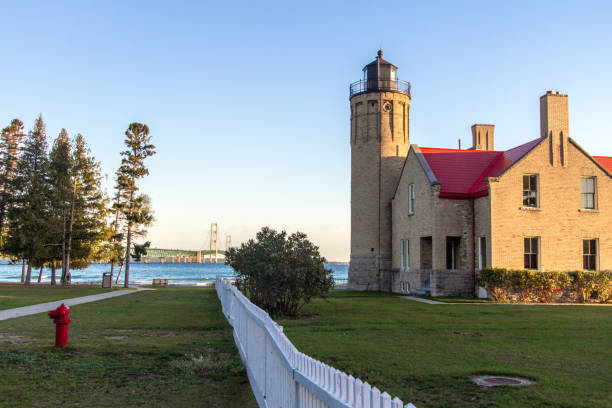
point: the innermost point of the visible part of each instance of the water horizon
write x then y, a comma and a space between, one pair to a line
143, 273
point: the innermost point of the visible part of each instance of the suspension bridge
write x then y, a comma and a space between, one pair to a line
213, 254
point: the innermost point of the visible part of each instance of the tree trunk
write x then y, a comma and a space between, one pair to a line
40, 273
127, 257
53, 273
119, 274
68, 277
63, 246
23, 269
111, 272
28, 278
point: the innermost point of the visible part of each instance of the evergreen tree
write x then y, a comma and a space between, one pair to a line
116, 248
10, 145
135, 207
60, 165
87, 229
28, 218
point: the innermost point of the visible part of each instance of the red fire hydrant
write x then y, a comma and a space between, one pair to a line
61, 317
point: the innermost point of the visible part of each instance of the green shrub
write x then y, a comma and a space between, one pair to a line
522, 283
280, 273
603, 286
582, 284
548, 285
497, 282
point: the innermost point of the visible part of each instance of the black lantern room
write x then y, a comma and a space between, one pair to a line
380, 75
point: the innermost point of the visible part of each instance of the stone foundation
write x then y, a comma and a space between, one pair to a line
439, 282
370, 272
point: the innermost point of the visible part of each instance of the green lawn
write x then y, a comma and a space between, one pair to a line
424, 354
165, 348
12, 295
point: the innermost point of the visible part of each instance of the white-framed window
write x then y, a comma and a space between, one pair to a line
532, 252
530, 190
589, 254
403, 265
482, 252
410, 198
588, 194
407, 254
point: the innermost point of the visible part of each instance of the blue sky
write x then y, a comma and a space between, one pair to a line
248, 101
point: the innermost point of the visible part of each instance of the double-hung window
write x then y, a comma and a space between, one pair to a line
532, 252
588, 192
410, 199
589, 254
405, 254
482, 252
530, 190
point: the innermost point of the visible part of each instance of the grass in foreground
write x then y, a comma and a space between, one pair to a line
14, 295
425, 354
165, 348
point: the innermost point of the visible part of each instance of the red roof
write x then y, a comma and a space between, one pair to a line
605, 161
463, 173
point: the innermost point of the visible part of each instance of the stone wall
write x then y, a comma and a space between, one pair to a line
370, 272
441, 282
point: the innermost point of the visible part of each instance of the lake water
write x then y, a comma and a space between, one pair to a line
141, 273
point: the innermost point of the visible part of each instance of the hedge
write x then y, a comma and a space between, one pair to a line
505, 285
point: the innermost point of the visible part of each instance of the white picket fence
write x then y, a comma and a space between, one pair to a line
281, 376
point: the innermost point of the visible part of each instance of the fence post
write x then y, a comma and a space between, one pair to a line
375, 398
366, 393
358, 394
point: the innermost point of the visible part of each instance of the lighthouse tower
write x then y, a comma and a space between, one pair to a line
380, 104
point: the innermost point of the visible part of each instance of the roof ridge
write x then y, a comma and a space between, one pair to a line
485, 171
464, 150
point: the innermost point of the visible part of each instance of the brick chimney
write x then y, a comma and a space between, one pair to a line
482, 137
554, 125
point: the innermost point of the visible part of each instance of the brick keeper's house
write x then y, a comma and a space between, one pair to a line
544, 205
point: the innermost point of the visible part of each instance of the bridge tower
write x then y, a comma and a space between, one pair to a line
380, 104
214, 236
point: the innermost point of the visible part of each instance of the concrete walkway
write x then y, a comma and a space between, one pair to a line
428, 301
46, 307
437, 302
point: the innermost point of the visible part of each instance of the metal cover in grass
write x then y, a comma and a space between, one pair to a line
497, 380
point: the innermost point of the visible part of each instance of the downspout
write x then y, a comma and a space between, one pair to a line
474, 246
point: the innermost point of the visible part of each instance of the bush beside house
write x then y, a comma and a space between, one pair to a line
505, 285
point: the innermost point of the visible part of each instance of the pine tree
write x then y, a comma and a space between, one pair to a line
135, 207
28, 218
87, 230
60, 165
116, 248
10, 145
